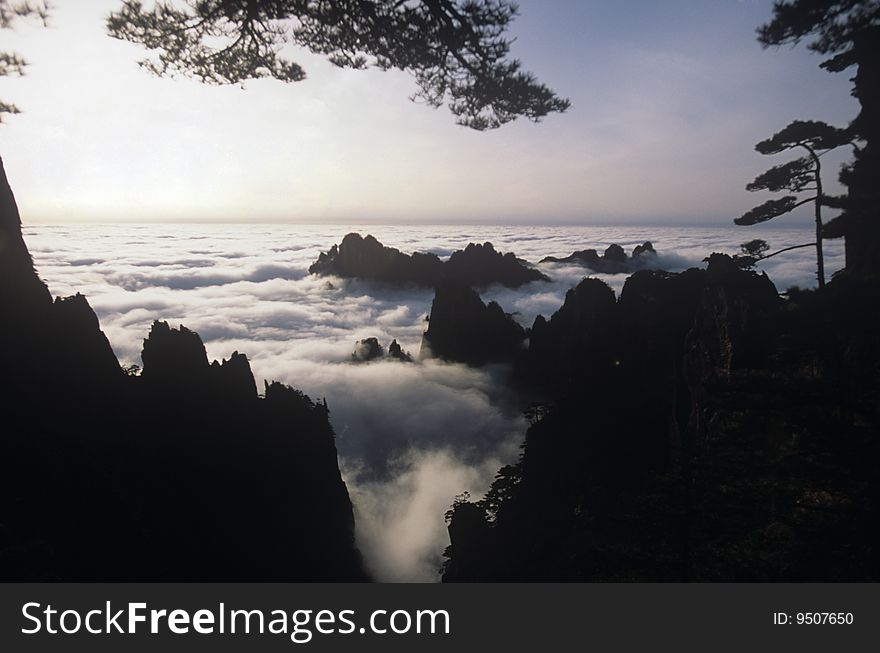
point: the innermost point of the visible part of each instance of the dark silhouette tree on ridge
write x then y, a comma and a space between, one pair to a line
797, 176
12, 64
848, 31
750, 253
457, 50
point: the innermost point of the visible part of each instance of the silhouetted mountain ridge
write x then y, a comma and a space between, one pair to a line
698, 428
463, 329
180, 474
475, 266
613, 260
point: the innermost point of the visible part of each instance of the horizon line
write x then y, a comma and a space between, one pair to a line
402, 223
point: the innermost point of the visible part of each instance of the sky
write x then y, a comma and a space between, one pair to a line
668, 99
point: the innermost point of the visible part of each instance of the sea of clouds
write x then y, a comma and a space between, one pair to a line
410, 437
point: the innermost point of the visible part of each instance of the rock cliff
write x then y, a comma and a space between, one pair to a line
463, 329
180, 474
699, 428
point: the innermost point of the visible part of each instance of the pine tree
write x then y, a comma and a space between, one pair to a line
12, 64
801, 175
457, 50
848, 31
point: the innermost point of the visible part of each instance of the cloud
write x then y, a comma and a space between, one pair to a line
400, 522
410, 436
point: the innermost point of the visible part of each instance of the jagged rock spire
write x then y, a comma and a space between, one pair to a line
19, 283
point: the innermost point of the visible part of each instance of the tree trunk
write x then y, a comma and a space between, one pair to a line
861, 217
820, 259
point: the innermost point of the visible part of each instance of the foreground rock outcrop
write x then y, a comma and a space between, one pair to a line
698, 428
182, 473
613, 260
475, 266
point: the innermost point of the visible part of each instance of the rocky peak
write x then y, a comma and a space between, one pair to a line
482, 265
367, 350
613, 260
462, 328
174, 359
476, 265
233, 378
644, 248
396, 351
20, 287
